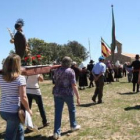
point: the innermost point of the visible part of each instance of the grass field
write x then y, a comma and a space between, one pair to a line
118, 118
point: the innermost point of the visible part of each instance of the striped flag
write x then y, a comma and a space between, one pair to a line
106, 51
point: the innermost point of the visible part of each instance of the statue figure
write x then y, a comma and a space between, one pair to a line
19, 39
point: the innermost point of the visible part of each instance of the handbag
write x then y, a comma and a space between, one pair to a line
21, 115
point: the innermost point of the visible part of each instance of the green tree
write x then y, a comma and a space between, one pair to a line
40, 47
79, 52
55, 52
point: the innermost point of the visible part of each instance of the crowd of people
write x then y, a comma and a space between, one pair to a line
113, 72
87, 76
18, 91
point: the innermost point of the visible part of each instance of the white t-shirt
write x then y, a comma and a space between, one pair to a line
32, 86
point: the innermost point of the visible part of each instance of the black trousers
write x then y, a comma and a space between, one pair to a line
39, 101
99, 89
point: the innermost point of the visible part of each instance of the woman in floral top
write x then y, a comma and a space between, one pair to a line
63, 91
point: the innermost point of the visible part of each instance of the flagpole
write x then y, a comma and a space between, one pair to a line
113, 44
101, 45
89, 48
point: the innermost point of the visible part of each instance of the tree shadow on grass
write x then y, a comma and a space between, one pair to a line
87, 105
137, 107
127, 93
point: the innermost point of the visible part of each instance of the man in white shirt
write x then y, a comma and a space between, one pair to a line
98, 72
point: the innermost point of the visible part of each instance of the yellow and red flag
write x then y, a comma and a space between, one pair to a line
105, 49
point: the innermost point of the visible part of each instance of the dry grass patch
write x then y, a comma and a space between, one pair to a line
118, 118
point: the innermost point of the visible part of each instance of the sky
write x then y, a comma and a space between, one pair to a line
61, 21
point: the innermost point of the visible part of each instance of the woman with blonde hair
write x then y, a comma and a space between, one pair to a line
13, 92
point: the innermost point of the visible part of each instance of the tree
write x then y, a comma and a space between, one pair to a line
79, 52
55, 52
40, 47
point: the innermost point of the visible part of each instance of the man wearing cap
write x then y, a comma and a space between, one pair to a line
19, 39
98, 72
91, 78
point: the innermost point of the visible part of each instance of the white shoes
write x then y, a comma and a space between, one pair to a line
56, 136
77, 127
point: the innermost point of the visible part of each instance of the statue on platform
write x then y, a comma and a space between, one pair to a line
22, 49
19, 39
21, 46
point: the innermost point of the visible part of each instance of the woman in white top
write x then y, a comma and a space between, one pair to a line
13, 93
34, 93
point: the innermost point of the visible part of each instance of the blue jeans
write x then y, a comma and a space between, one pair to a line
59, 104
14, 129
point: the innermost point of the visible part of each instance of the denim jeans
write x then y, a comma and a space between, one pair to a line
39, 101
14, 129
59, 104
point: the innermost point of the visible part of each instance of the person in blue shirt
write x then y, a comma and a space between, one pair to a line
98, 72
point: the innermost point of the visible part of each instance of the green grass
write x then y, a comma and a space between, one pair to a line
118, 118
